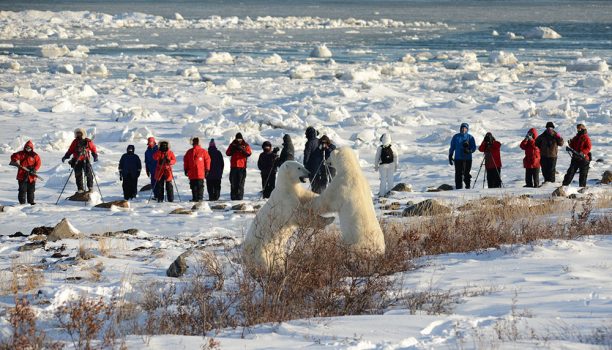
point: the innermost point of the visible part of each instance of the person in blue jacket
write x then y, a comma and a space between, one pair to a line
150, 163
462, 146
129, 172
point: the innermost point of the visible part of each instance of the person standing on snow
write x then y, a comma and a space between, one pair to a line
531, 162
150, 163
287, 153
493, 164
462, 146
163, 172
196, 164
28, 163
213, 179
324, 173
267, 167
311, 147
385, 162
581, 144
130, 167
239, 151
548, 143
81, 149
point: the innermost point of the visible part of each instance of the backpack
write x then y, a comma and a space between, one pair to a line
386, 155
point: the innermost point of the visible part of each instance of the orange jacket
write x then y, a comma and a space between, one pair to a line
165, 161
29, 160
196, 163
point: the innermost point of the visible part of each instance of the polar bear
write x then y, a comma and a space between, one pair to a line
288, 207
349, 195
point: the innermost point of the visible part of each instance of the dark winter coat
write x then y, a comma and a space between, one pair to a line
316, 157
266, 163
532, 152
457, 145
582, 143
150, 163
311, 147
549, 144
130, 165
492, 154
288, 152
29, 160
216, 163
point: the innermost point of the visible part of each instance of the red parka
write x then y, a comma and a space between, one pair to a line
196, 163
27, 160
582, 143
79, 154
239, 152
165, 161
492, 154
532, 152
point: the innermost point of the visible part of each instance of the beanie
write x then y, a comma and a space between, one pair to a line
550, 125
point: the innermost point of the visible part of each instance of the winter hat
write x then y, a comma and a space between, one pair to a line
82, 131
266, 144
151, 141
464, 125
195, 141
130, 149
164, 145
212, 143
239, 136
550, 125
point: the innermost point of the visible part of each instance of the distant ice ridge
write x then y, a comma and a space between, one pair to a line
33, 24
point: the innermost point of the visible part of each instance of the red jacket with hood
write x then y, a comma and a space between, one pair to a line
196, 163
582, 143
165, 161
492, 155
239, 152
27, 160
74, 149
532, 152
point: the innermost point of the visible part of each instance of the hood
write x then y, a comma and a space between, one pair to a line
464, 125
311, 133
212, 144
29, 144
131, 149
82, 131
162, 141
534, 132
151, 141
287, 139
385, 139
266, 144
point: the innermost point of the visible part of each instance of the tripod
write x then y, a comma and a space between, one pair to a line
328, 175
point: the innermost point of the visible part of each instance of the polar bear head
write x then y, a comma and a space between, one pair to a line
291, 172
343, 158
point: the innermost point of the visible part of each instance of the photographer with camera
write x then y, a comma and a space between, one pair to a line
324, 173
580, 145
531, 162
491, 149
462, 146
239, 151
28, 162
163, 172
267, 166
548, 142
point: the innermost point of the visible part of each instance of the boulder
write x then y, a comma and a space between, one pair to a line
41, 230
606, 178
17, 234
146, 187
178, 267
402, 187
63, 230
426, 208
392, 206
1, 208
560, 192
240, 207
443, 187
31, 246
181, 211
129, 231
118, 204
80, 197
218, 207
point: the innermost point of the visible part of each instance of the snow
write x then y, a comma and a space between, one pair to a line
503, 58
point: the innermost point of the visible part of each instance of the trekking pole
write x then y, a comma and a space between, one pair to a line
63, 188
477, 174
178, 194
95, 178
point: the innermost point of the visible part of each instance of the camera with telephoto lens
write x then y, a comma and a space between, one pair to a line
466, 147
275, 150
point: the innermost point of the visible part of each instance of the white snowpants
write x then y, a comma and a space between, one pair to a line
386, 178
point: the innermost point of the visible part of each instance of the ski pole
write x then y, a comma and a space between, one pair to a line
63, 188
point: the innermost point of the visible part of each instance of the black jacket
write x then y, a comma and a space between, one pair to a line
216, 164
288, 152
130, 165
266, 163
311, 147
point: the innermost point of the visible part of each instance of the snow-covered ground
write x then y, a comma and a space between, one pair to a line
419, 96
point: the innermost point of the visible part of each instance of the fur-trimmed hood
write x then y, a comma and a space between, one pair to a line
82, 131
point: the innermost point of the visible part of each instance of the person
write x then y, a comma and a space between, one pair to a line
28, 163
531, 162
163, 172
581, 156
287, 153
213, 180
491, 148
196, 164
150, 163
324, 173
239, 151
267, 167
130, 167
462, 145
311, 147
385, 162
548, 142
82, 149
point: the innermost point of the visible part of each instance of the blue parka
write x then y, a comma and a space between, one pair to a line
457, 142
150, 163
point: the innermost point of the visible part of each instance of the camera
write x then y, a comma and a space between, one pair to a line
275, 150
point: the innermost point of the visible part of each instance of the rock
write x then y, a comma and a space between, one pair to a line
572, 196
606, 178
199, 205
63, 230
560, 192
129, 231
178, 267
31, 246
118, 204
1, 208
218, 207
239, 207
146, 187
443, 187
80, 197
181, 211
17, 234
402, 187
392, 206
525, 196
426, 208
41, 230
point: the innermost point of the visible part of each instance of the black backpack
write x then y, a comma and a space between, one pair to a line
386, 155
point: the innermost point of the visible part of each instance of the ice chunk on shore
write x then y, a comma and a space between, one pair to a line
97, 70
321, 51
503, 58
408, 58
303, 71
594, 82
54, 51
273, 60
27, 93
27, 108
468, 62
595, 64
541, 33
87, 91
11, 65
233, 84
190, 73
361, 74
220, 58
135, 113
178, 17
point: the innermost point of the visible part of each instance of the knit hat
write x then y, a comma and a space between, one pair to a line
550, 125
239, 136
151, 141
195, 141
212, 143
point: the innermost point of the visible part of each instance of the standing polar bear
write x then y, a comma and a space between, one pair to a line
349, 195
288, 208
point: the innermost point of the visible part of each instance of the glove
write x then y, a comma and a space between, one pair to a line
206, 173
12, 163
185, 172
64, 159
275, 150
95, 157
450, 160
120, 177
